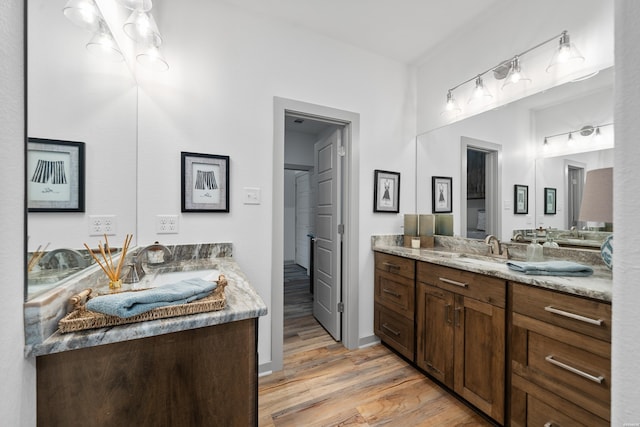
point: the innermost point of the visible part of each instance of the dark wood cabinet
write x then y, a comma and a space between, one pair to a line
204, 376
561, 359
461, 337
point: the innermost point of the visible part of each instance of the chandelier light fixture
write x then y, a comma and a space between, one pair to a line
511, 71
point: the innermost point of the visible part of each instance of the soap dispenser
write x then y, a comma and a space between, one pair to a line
534, 250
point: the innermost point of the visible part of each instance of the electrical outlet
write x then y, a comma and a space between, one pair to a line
100, 225
167, 224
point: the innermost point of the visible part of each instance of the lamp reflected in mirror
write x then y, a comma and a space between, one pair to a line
596, 209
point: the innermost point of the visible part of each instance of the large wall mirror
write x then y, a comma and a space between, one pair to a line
488, 154
76, 96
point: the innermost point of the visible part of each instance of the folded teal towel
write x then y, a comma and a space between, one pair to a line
551, 268
127, 304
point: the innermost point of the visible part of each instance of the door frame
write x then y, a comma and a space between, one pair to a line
351, 197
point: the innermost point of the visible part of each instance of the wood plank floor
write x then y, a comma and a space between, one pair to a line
324, 384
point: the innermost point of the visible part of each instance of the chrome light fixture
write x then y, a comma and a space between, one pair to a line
142, 28
586, 130
511, 70
102, 44
84, 13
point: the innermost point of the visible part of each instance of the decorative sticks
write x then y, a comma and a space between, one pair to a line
36, 256
112, 271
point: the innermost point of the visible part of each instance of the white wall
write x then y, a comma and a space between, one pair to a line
217, 97
17, 376
626, 270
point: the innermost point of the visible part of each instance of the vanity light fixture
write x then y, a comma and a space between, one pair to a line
511, 70
583, 131
152, 59
103, 45
84, 13
480, 93
142, 28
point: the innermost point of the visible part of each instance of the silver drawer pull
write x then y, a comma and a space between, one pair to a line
388, 328
453, 282
391, 266
548, 424
573, 370
574, 316
390, 292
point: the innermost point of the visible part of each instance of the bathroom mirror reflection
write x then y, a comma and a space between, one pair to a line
487, 154
73, 95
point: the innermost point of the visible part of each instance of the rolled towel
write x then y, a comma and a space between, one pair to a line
128, 304
551, 268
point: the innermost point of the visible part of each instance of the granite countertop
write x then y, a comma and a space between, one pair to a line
597, 286
242, 302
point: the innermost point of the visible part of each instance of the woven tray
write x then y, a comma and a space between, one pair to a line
80, 318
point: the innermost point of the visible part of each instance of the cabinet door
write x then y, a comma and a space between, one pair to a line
434, 315
480, 354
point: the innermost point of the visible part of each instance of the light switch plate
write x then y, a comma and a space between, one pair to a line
251, 196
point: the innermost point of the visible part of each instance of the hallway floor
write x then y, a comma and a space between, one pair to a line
324, 384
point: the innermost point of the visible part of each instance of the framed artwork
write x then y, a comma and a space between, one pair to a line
386, 191
549, 201
55, 175
521, 199
441, 194
205, 182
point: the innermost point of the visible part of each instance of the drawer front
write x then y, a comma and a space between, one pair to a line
395, 330
541, 414
395, 292
477, 286
582, 315
404, 267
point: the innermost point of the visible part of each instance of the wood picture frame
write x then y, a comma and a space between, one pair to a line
520, 199
205, 182
55, 175
549, 201
386, 191
441, 194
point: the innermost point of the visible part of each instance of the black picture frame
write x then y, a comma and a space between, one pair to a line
520, 199
441, 194
386, 191
549, 201
205, 182
55, 175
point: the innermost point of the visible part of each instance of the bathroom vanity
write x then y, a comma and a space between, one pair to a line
198, 369
525, 350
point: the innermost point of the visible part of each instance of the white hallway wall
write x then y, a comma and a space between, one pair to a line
217, 97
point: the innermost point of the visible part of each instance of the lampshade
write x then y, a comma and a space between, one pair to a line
152, 59
143, 5
142, 28
480, 92
515, 74
103, 45
565, 53
451, 107
597, 197
84, 13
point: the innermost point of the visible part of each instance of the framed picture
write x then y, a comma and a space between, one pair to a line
549, 201
205, 182
386, 191
55, 175
521, 199
441, 194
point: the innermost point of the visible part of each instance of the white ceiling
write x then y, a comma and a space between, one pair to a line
403, 30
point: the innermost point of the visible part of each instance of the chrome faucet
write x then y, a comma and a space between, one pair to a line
155, 254
62, 258
495, 247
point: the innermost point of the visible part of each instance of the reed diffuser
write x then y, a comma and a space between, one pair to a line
112, 271
36, 256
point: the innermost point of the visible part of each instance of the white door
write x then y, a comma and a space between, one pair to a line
327, 266
303, 218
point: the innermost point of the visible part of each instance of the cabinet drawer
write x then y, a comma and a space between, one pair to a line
395, 330
541, 414
404, 267
395, 292
472, 285
582, 315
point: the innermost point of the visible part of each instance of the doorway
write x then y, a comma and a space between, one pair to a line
575, 186
349, 123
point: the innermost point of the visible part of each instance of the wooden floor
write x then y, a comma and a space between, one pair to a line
324, 384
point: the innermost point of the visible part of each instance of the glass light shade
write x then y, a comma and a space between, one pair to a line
143, 5
515, 74
104, 46
153, 59
451, 107
84, 13
480, 92
566, 52
142, 28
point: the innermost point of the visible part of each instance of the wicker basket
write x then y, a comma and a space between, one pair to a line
81, 318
